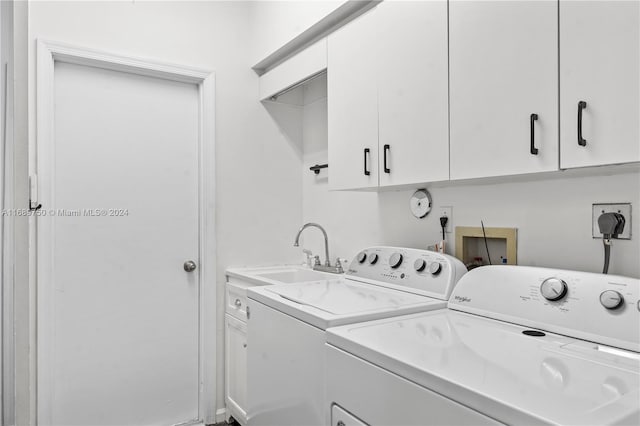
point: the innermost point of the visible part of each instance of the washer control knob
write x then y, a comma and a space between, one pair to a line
553, 289
419, 265
611, 299
373, 258
435, 268
395, 260
362, 256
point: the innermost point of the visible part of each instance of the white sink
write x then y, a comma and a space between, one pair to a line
297, 275
283, 274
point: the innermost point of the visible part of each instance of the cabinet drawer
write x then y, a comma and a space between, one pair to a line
236, 301
342, 417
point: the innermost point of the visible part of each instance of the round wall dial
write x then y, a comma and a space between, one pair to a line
420, 203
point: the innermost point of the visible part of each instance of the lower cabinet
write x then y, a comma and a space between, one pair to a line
236, 368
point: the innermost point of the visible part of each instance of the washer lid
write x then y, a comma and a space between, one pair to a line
345, 297
495, 368
330, 303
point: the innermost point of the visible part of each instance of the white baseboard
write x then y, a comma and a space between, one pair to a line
221, 415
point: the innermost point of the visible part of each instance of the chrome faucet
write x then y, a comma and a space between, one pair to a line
327, 267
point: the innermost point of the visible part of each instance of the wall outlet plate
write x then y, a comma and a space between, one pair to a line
622, 208
448, 212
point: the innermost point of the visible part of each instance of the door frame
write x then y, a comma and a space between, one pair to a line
48, 53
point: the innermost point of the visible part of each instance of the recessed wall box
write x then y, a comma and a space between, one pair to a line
502, 243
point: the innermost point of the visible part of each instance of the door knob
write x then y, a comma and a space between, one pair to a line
189, 266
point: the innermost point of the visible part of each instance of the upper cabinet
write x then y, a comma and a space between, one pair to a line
504, 87
387, 97
599, 82
413, 128
435, 90
352, 105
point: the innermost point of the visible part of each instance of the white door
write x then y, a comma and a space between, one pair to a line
503, 69
121, 346
352, 105
599, 81
412, 92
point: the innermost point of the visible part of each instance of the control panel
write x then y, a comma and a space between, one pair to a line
596, 307
413, 270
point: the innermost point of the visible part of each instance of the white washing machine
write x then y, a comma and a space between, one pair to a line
287, 323
517, 345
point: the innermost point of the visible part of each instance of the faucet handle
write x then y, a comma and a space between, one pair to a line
339, 268
316, 260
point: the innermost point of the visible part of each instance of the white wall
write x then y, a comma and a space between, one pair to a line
553, 215
275, 23
257, 166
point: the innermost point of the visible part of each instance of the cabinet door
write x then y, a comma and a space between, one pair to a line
413, 92
236, 367
600, 65
503, 69
352, 105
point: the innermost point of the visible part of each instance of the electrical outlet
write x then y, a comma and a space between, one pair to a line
623, 208
448, 212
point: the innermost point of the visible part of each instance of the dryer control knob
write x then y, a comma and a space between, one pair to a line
553, 289
419, 265
395, 260
611, 299
373, 258
362, 256
435, 268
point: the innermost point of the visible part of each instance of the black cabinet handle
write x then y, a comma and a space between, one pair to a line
581, 141
534, 150
386, 149
366, 168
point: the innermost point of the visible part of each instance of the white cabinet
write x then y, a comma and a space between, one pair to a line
236, 367
387, 97
599, 66
235, 348
503, 69
352, 105
412, 83
430, 91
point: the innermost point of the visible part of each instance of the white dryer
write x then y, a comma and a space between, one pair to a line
517, 345
286, 325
